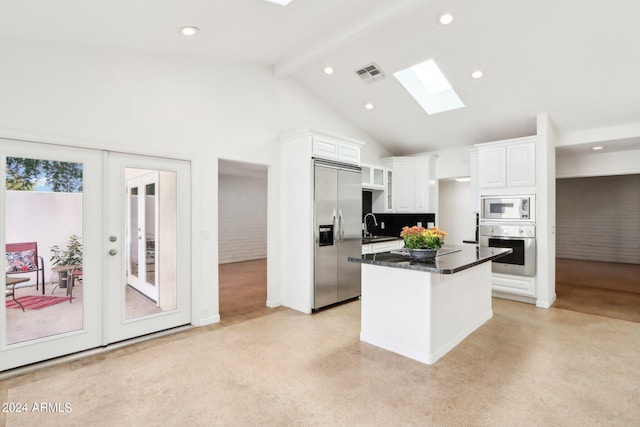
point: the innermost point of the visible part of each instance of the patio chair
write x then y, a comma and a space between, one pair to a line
23, 258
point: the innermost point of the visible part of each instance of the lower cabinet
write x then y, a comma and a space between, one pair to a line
516, 285
375, 248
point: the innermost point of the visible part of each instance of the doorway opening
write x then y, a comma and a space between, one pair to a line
455, 211
597, 251
242, 240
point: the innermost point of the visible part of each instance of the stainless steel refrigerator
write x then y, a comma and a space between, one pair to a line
338, 232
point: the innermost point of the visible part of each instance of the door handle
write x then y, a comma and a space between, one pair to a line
336, 232
113, 252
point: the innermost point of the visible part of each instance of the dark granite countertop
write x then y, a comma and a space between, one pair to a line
450, 259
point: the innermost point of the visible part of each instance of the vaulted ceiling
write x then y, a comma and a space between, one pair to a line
576, 60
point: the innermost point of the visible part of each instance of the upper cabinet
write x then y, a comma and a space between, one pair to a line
507, 164
373, 177
336, 149
521, 164
412, 184
492, 167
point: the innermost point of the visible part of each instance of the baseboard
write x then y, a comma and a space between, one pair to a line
273, 303
209, 320
513, 297
546, 304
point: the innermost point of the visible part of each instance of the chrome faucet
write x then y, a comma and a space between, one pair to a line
366, 228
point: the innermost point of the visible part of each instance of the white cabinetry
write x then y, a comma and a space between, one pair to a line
413, 186
492, 170
376, 248
404, 186
388, 191
521, 164
506, 285
507, 164
335, 149
373, 177
296, 208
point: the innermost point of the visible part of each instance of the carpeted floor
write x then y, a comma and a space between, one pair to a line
526, 366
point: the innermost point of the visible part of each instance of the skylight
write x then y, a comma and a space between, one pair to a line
429, 87
280, 2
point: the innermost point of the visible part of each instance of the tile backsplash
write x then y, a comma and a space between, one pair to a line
391, 224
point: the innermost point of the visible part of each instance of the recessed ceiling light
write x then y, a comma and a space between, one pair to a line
368, 106
597, 148
189, 31
328, 70
446, 18
476, 74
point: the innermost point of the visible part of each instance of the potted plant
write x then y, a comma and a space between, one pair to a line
67, 257
423, 243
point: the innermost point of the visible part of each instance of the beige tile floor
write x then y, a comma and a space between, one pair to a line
526, 366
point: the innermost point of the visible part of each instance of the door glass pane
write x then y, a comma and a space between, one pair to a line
516, 257
133, 225
43, 252
152, 289
150, 232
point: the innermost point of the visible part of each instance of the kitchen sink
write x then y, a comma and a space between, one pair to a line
376, 239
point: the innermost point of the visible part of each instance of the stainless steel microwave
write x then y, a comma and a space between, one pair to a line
508, 208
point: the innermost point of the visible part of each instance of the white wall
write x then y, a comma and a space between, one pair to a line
196, 109
242, 218
167, 240
572, 165
47, 218
545, 212
453, 163
455, 216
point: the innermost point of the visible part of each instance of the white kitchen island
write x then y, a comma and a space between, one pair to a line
422, 310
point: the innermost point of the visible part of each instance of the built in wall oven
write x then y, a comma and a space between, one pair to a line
519, 237
508, 208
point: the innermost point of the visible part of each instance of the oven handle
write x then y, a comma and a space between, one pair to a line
508, 237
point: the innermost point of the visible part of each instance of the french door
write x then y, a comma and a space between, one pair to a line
148, 245
62, 197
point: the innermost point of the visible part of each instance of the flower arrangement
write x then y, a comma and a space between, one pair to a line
422, 238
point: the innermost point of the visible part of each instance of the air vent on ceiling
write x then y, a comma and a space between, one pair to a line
370, 73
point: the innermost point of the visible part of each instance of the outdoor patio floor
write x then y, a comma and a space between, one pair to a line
62, 317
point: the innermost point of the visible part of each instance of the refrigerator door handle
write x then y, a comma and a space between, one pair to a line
336, 233
340, 225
